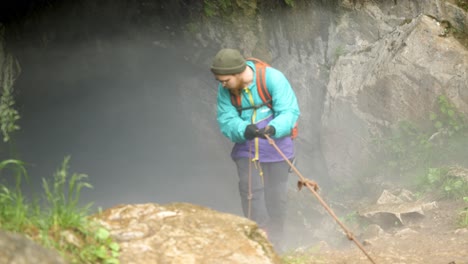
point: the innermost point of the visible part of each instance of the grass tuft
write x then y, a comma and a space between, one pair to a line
61, 223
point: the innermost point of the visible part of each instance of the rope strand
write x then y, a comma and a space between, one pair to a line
249, 196
313, 187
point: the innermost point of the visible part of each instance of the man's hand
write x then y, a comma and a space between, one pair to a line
251, 132
268, 130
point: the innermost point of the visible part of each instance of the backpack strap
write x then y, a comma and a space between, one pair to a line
236, 101
262, 88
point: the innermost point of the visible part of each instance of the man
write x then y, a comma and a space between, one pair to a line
263, 173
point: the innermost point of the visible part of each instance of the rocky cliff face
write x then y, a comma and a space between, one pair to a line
396, 78
358, 68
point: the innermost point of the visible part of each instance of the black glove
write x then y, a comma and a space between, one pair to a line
268, 130
251, 132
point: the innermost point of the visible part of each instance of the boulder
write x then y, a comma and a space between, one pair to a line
185, 233
393, 210
18, 249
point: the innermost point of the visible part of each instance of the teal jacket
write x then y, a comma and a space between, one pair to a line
283, 115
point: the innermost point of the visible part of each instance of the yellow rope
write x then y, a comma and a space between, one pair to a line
256, 158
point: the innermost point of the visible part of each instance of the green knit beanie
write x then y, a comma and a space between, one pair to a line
227, 62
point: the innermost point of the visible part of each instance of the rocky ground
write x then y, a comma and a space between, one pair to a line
432, 238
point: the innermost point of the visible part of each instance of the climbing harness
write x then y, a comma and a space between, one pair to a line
313, 187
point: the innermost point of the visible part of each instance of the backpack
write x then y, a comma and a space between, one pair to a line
263, 92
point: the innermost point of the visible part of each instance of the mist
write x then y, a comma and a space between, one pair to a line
116, 106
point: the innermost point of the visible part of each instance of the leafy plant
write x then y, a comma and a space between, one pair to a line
104, 249
411, 146
209, 8
448, 119
212, 8
8, 115
290, 3
443, 182
406, 148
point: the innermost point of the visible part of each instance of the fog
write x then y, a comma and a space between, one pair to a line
117, 111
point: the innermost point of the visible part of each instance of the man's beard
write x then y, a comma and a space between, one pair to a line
236, 91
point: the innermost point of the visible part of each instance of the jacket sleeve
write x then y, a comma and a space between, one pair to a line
285, 106
229, 121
